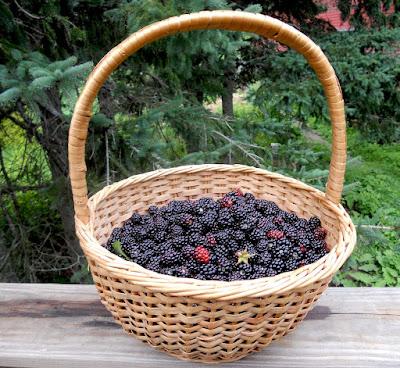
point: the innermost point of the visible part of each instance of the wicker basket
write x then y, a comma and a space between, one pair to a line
208, 321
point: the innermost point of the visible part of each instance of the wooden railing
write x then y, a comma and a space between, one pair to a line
50, 325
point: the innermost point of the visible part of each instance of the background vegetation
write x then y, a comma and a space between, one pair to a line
199, 97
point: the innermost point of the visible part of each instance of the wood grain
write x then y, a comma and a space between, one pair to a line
66, 326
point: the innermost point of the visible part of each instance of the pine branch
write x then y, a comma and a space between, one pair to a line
30, 15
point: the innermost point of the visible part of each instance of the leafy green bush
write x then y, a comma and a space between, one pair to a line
368, 66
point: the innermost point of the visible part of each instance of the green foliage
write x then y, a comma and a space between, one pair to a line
29, 76
366, 63
377, 265
117, 246
370, 13
192, 61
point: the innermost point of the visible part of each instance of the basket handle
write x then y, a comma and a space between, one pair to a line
262, 25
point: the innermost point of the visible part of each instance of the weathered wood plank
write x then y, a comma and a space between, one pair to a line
66, 326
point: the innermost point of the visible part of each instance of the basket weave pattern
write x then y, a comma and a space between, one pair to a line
208, 321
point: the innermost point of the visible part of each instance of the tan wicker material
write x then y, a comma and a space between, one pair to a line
208, 321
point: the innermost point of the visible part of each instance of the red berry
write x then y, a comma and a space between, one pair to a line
302, 248
320, 233
238, 192
226, 202
201, 254
275, 234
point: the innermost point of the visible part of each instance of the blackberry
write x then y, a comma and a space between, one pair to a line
256, 235
220, 251
180, 241
153, 210
245, 269
320, 233
175, 230
270, 272
262, 205
278, 265
196, 227
250, 223
239, 236
154, 265
265, 224
183, 271
225, 218
160, 223
196, 239
139, 232
290, 231
193, 266
188, 251
209, 271
159, 236
236, 237
258, 272
222, 237
278, 220
290, 217
224, 265
311, 257
301, 224
249, 197
240, 213
185, 220
303, 239
210, 240
170, 257
283, 248
129, 248
206, 203
208, 219
143, 257
262, 245
320, 246
314, 222
236, 275
135, 219
185, 206
264, 258
115, 235
272, 209
170, 271
291, 264
233, 246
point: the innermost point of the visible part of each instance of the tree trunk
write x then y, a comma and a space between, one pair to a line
65, 208
227, 96
55, 143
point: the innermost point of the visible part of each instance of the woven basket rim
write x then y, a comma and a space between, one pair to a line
211, 289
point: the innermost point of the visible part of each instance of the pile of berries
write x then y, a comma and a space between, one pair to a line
236, 237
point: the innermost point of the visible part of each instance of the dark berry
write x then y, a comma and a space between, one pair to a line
314, 222
320, 233
234, 238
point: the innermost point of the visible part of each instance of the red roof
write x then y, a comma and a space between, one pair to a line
333, 15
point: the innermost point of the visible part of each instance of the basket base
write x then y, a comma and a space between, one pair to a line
271, 318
